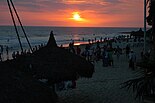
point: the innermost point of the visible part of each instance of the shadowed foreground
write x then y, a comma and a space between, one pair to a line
19, 87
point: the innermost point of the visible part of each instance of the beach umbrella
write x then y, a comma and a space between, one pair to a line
19, 87
55, 63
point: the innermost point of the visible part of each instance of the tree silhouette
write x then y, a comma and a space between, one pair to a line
145, 85
151, 18
151, 11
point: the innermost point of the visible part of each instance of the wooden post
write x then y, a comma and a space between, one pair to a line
153, 25
144, 26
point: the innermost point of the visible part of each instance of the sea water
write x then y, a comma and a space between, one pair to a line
64, 35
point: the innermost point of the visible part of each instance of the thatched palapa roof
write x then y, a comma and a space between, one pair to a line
55, 63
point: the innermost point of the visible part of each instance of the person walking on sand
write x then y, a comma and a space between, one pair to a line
142, 54
110, 55
98, 52
71, 47
105, 58
91, 52
132, 60
7, 52
78, 50
127, 50
118, 52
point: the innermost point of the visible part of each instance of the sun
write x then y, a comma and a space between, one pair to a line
76, 16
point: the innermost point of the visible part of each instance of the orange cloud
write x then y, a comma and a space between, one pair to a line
73, 1
91, 12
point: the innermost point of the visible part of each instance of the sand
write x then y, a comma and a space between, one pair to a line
104, 86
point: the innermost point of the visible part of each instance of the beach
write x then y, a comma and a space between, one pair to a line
105, 85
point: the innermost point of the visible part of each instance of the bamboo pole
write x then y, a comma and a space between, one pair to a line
144, 26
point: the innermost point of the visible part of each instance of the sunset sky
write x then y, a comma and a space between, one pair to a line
83, 13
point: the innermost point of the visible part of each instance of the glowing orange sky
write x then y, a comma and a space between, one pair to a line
100, 13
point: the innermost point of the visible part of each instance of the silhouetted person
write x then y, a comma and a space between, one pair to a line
17, 54
13, 55
36, 48
98, 51
7, 52
101, 39
71, 47
42, 45
61, 46
83, 39
127, 50
89, 41
132, 60
118, 52
95, 39
78, 50
1, 48
0, 57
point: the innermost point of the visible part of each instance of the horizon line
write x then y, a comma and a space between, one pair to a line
81, 26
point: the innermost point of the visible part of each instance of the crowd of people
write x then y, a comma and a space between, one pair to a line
7, 52
105, 53
93, 51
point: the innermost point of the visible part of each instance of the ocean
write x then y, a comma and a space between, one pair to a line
63, 35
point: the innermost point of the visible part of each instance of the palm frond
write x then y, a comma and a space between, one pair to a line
142, 85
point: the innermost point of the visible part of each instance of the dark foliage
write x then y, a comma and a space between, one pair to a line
19, 87
144, 85
151, 11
